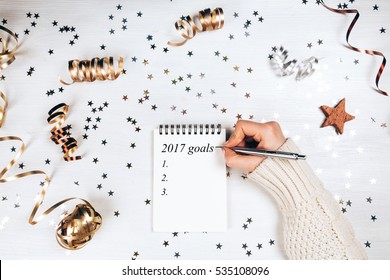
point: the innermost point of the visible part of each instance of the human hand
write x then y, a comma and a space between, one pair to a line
267, 136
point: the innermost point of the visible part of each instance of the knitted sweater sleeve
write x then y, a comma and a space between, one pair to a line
313, 225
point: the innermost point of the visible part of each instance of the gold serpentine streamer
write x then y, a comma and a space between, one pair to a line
372, 52
95, 69
3, 108
76, 229
62, 136
7, 56
209, 20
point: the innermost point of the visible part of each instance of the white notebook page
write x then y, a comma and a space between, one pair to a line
189, 190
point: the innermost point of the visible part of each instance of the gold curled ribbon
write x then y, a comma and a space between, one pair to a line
286, 68
61, 135
95, 69
7, 56
3, 108
76, 229
209, 20
372, 52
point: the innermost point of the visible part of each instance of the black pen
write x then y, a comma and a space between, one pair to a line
264, 153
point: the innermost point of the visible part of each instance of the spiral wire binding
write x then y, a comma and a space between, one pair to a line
190, 129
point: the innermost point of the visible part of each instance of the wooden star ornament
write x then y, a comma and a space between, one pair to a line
336, 116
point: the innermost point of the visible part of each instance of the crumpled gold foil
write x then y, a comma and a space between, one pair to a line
75, 230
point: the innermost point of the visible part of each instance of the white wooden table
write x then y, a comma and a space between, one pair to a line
354, 166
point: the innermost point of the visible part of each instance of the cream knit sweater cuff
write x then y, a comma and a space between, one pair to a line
289, 181
313, 225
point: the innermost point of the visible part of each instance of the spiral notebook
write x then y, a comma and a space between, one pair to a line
189, 188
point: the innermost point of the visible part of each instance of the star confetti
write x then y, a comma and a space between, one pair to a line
225, 76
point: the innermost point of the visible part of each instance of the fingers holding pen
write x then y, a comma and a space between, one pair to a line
246, 162
267, 136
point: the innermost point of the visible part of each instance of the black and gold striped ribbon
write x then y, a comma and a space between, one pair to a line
209, 20
61, 135
372, 52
